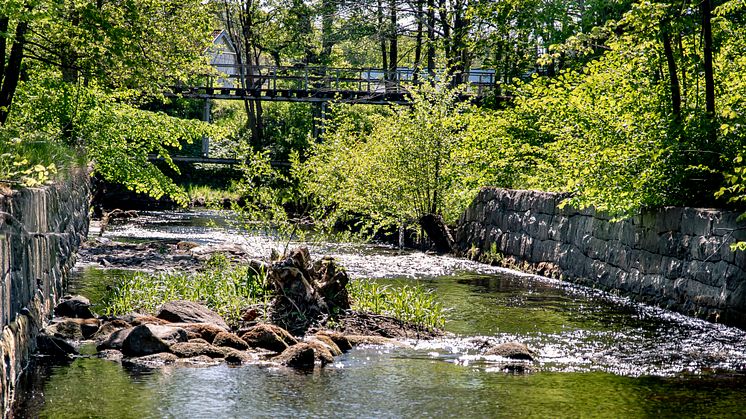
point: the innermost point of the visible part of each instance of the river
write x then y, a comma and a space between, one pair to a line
599, 355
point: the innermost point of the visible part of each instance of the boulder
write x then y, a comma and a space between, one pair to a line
114, 340
321, 351
327, 342
206, 331
230, 340
75, 306
338, 338
355, 340
153, 360
236, 357
54, 346
148, 339
110, 355
181, 311
267, 336
191, 350
301, 355
512, 350
108, 328
74, 328
139, 319
198, 340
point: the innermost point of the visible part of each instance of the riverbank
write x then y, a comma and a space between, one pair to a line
606, 353
676, 258
40, 231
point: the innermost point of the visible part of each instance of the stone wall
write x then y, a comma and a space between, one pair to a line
677, 258
40, 231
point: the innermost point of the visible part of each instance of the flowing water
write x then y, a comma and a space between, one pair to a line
599, 355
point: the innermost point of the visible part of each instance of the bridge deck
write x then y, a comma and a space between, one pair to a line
321, 84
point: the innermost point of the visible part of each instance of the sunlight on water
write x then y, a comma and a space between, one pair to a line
596, 353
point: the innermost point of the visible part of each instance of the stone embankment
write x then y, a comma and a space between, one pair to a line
677, 258
40, 231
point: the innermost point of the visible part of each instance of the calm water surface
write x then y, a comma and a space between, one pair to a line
599, 355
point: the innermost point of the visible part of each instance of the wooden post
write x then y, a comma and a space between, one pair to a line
206, 139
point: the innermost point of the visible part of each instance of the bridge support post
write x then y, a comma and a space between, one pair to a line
319, 121
206, 118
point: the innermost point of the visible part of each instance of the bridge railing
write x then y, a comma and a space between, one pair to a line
310, 78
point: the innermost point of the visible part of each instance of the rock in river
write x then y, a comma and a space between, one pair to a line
267, 336
301, 355
512, 350
149, 339
191, 350
73, 329
230, 340
181, 311
74, 306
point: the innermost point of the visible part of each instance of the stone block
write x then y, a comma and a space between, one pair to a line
647, 239
668, 219
627, 233
726, 222
672, 267
558, 229
719, 273
673, 244
605, 230
513, 221
526, 247
650, 263
696, 222
595, 248
726, 254
617, 255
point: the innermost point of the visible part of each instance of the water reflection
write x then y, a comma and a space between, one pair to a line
599, 355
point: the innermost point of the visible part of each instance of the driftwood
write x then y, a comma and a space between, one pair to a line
306, 292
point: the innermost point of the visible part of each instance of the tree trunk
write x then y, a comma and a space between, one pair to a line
445, 25
382, 40
682, 67
437, 230
4, 21
393, 43
418, 42
673, 75
431, 40
327, 22
12, 71
709, 77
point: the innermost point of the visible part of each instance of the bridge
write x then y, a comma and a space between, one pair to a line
324, 84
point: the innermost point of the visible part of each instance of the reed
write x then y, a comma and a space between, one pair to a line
411, 303
225, 288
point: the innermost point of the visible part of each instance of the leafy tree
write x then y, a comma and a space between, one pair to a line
393, 168
88, 67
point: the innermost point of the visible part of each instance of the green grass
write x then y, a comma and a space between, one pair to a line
33, 162
411, 303
229, 289
225, 288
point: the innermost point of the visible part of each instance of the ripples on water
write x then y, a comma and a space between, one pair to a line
573, 328
599, 354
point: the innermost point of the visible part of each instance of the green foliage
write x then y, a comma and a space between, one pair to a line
391, 168
31, 163
210, 196
117, 137
410, 303
226, 288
